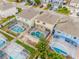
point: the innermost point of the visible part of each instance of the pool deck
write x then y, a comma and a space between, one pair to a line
71, 50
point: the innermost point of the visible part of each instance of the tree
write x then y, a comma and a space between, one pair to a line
63, 10
43, 51
37, 2
19, 0
29, 1
42, 48
49, 5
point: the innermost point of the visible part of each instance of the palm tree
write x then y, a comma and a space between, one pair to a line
42, 48
28, 1
43, 51
37, 2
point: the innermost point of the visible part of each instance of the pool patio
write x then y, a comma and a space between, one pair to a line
38, 32
66, 49
33, 35
15, 27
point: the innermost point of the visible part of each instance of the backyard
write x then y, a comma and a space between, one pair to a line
27, 47
5, 28
7, 36
6, 19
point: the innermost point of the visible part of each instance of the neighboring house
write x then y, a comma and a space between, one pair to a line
15, 51
56, 3
45, 1
66, 38
74, 6
47, 20
7, 10
27, 14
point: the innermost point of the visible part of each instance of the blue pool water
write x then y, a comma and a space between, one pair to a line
37, 34
60, 51
2, 54
10, 57
17, 29
2, 41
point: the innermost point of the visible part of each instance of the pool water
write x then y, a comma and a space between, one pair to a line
17, 29
10, 57
2, 41
37, 34
2, 54
60, 51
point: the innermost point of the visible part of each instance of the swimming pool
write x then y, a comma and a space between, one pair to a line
2, 41
2, 54
60, 51
37, 34
17, 29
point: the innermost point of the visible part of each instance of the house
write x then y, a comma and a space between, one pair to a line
15, 51
7, 10
27, 14
45, 1
74, 6
47, 20
55, 3
66, 38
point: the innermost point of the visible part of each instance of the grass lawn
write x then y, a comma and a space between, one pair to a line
27, 47
11, 0
3, 20
46, 8
19, 10
7, 36
6, 19
63, 10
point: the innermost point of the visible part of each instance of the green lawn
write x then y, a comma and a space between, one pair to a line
19, 10
27, 47
11, 0
63, 10
6, 19
3, 20
7, 36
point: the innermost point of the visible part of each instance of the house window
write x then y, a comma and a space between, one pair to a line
67, 40
59, 32
74, 37
56, 36
44, 23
